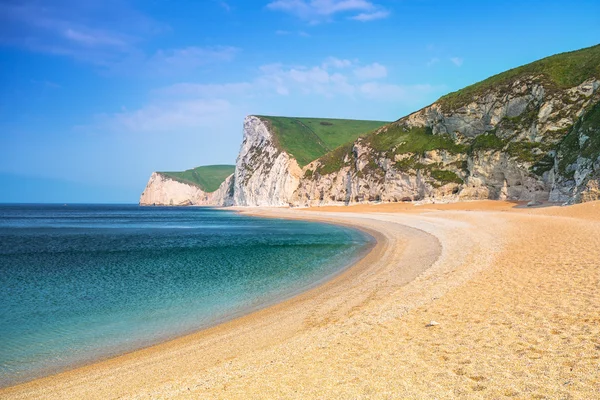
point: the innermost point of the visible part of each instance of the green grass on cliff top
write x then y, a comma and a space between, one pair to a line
207, 178
307, 139
563, 70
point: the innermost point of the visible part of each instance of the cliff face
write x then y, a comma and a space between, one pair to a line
165, 191
265, 175
523, 141
531, 133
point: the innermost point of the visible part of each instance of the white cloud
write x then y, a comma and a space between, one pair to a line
312, 75
367, 81
457, 61
365, 17
187, 59
282, 32
71, 28
410, 94
316, 11
329, 79
224, 5
333, 62
191, 105
304, 80
198, 90
372, 71
94, 38
168, 116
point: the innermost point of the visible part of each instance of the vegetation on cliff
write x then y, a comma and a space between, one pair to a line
526, 132
208, 178
582, 141
307, 139
543, 124
559, 71
398, 139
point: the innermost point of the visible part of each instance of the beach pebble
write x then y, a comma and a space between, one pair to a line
432, 323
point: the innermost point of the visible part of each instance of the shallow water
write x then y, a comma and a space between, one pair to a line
85, 282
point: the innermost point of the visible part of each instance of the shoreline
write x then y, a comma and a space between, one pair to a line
49, 372
513, 292
234, 322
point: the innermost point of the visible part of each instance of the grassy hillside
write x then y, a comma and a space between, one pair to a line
307, 139
207, 178
556, 73
393, 140
560, 71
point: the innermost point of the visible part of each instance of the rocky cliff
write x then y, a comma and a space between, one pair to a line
523, 135
531, 133
523, 142
166, 191
265, 175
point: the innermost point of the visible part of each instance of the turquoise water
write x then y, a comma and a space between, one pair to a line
80, 283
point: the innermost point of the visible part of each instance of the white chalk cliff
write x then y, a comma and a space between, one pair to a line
265, 175
162, 190
522, 135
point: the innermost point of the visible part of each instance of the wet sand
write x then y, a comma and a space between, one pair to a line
514, 292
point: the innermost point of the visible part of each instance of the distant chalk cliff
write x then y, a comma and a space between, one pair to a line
531, 133
163, 190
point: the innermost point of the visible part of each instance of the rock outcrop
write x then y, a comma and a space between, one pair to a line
521, 142
530, 134
162, 190
265, 175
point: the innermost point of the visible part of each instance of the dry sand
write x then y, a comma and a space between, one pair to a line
515, 292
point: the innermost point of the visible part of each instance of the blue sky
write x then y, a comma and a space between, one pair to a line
95, 95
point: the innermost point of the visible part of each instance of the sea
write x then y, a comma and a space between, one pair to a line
81, 283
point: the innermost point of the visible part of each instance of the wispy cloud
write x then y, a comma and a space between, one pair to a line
201, 90
372, 71
72, 28
306, 80
174, 61
315, 11
113, 43
165, 116
189, 105
365, 17
333, 62
224, 5
457, 61
333, 77
408, 94
92, 39
282, 32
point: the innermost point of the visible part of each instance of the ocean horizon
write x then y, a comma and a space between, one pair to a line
85, 282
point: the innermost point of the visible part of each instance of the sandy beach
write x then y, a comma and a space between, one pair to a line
513, 293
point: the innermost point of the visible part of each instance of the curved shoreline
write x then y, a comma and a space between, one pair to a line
341, 267
514, 292
254, 321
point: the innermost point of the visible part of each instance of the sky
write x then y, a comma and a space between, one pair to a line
96, 95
